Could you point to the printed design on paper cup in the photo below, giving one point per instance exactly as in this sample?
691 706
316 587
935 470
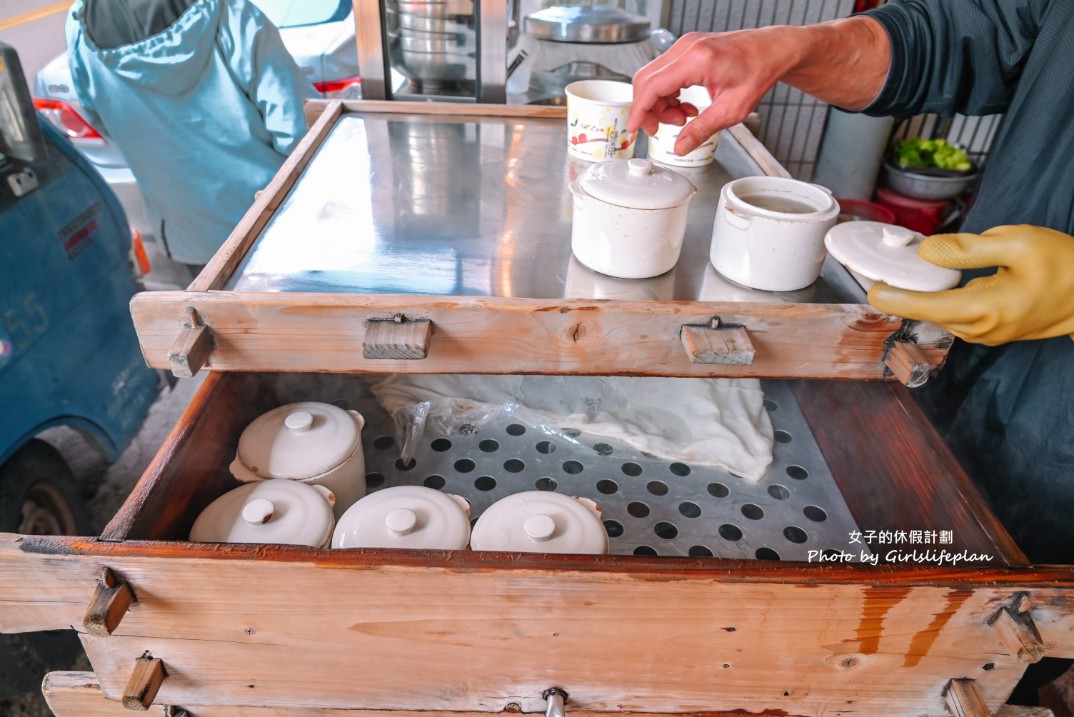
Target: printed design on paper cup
602 136
662 148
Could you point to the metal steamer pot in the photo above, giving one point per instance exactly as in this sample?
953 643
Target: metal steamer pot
572 43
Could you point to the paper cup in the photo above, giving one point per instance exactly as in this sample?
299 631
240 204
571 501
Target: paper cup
597 120
662 144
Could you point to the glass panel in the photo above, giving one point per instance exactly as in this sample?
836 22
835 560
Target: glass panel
292 13
433 43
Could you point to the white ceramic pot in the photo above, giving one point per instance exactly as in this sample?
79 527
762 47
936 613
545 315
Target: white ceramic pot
405 516
769 232
311 442
268 511
630 218
541 522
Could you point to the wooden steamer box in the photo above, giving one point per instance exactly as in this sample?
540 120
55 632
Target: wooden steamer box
214 630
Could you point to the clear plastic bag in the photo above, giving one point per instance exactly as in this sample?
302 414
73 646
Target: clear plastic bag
449 417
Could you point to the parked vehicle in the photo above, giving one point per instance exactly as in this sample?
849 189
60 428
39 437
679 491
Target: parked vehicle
69 355
320 34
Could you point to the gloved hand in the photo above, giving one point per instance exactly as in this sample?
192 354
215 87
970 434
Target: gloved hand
1030 297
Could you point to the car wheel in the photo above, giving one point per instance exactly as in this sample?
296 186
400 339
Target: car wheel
38 496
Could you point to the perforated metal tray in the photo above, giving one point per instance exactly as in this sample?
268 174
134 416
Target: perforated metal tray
651 506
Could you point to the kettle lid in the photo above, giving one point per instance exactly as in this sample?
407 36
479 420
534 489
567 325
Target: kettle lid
599 24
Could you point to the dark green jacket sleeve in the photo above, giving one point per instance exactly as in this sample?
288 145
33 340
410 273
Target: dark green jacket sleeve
950 56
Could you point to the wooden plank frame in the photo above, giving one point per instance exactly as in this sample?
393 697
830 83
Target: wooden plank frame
269 626
479 632
78 694
267 331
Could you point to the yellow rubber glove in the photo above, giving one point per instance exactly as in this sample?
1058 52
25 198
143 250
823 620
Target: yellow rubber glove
1031 296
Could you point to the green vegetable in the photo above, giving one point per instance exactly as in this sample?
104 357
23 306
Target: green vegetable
918 152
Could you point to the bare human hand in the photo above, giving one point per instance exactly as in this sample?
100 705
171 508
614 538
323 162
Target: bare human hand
736 68
843 62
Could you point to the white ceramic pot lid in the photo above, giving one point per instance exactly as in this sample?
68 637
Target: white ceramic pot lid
405 516
636 184
299 440
269 511
887 253
541 522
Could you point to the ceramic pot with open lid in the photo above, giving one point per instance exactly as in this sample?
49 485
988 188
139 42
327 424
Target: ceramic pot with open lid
542 522
630 217
269 511
311 442
769 232
405 516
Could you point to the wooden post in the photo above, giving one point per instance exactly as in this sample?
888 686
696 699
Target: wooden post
963 699
717 344
1018 631
397 338
144 682
908 363
191 349
111 600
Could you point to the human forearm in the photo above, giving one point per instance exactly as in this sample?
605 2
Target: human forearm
843 62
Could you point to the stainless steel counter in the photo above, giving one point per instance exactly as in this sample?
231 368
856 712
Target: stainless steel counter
470 206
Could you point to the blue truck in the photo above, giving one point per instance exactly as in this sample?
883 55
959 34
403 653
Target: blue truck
69 355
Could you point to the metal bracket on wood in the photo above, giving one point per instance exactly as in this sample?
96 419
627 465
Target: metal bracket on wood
191 350
715 343
556 698
144 683
963 699
111 599
1018 631
397 338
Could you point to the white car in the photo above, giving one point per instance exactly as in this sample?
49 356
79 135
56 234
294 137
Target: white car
320 34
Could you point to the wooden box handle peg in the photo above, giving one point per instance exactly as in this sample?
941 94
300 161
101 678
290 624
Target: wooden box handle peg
907 363
963 699
191 349
716 344
111 599
144 682
1017 630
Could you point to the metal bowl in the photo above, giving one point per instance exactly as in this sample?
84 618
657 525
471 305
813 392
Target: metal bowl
436 66
440 43
423 9
420 23
936 185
